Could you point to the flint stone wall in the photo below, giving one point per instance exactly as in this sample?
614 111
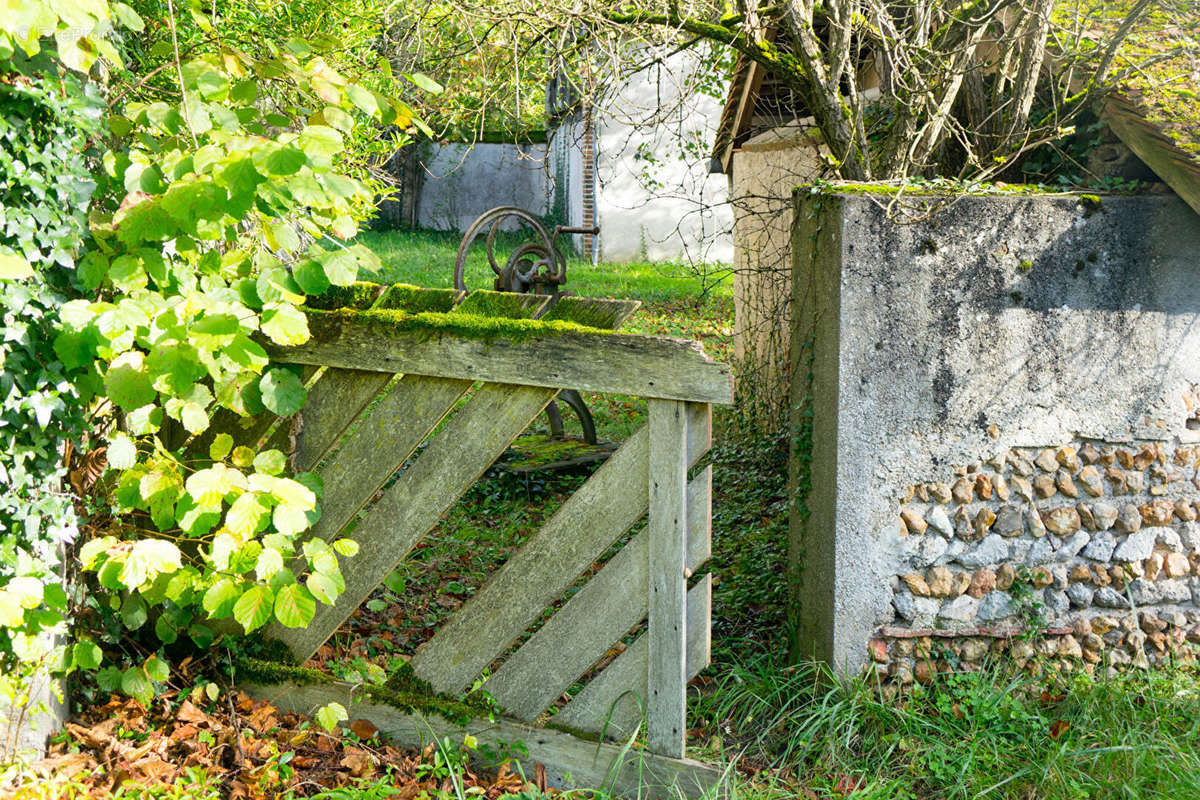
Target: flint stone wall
1005 423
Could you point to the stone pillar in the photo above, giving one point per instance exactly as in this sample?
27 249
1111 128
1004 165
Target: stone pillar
950 342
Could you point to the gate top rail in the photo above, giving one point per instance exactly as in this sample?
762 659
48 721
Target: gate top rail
399 333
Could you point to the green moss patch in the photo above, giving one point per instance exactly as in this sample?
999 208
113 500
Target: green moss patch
607 314
358 295
416 300
407 694
510 305
326 325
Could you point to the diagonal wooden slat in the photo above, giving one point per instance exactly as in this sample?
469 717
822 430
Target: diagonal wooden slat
386 437
614 701
612 500
457 455
334 402
604 610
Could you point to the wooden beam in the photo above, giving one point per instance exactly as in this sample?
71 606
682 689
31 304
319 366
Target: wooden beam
1179 169
591 311
569 762
462 450
613 702
667 617
646 366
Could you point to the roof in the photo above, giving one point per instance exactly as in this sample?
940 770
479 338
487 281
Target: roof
1156 112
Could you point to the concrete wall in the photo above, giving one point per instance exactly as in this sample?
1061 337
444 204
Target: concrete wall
766 171
655 198
462 181
1005 409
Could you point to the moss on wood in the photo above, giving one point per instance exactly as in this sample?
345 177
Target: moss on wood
417 300
407 694
588 311
326 325
358 295
510 305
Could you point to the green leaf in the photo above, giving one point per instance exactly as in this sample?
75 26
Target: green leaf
201 635
310 275
253 609
109 679
242 456
285 325
282 392
164 630
13 267
219 599
322 587
320 141
248 515
122 452
157 670
133 612
271 462
338 118
346 547
341 267
364 99
330 715
127 383
221 445
147 560
128 17
294 606
87 654
425 82
270 561
135 684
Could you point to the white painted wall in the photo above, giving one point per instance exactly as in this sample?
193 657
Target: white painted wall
462 181
668 206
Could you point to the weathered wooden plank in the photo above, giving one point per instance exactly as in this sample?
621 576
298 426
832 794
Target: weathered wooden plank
592 311
455 458
569 762
418 300
613 702
612 500
570 541
486 303
384 439
334 402
699 521
604 610
1179 169
517 352
667 617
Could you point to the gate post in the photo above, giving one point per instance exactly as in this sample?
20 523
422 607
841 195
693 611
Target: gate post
667 618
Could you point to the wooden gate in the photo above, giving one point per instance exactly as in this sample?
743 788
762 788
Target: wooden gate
437 396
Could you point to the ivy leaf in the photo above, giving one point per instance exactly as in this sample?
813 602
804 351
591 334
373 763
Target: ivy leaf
253 609
328 716
13 267
282 392
285 324
294 606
